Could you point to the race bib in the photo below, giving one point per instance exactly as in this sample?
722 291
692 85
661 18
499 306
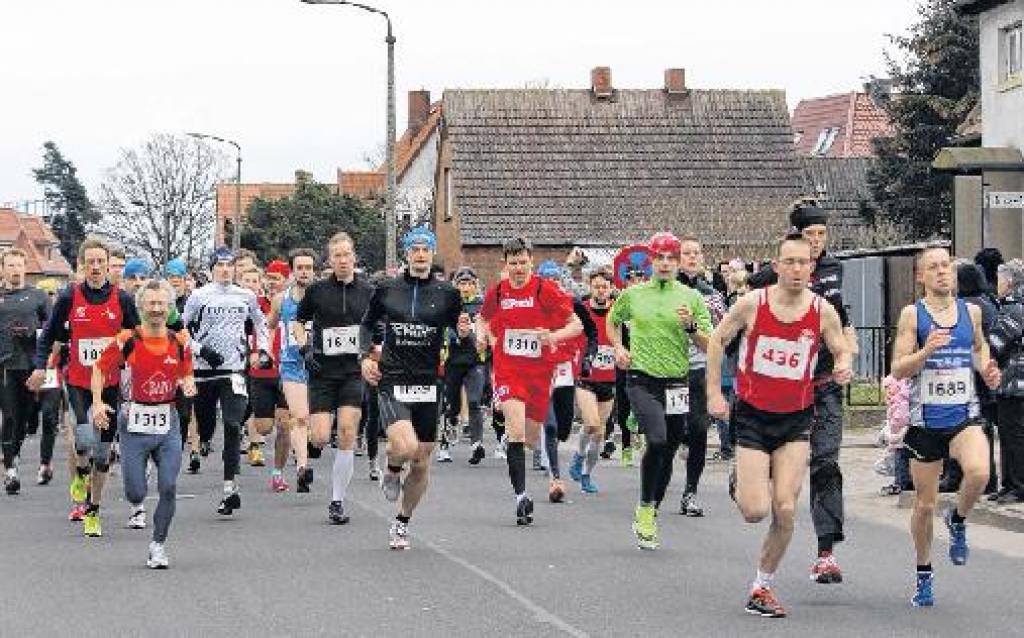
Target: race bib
149 419
605 358
50 381
951 386
520 343
563 375
416 393
341 340
781 358
239 386
89 350
677 400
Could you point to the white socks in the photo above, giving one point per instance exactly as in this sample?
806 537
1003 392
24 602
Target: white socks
341 475
763 580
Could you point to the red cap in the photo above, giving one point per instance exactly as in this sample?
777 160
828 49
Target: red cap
279 267
665 243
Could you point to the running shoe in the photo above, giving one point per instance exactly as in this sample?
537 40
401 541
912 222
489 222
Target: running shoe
79 488
721 457
923 597
193 463
391 485
524 510
12 484
45 475
137 519
443 455
958 549
92 526
627 457
374 470
336 513
78 512
479 454
587 486
501 449
763 603
825 570
399 535
157 556
645 526
278 484
360 445
538 461
690 506
256 456
608 450
576 467
556 490
303 479
230 503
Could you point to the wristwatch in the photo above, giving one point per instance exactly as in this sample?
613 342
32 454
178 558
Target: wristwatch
692 328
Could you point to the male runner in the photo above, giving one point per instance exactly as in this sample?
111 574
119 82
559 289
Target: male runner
87 317
155 362
464 367
665 318
335 307
414 310
939 345
525 318
783 326
266 398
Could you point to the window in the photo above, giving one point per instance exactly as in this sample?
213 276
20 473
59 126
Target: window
448 195
1010 54
826 138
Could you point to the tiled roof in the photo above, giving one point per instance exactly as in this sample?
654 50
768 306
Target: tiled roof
973 7
842 186
412 142
854 116
362 183
560 166
41 246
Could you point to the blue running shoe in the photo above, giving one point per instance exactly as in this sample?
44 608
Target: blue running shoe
923 596
587 486
576 467
958 550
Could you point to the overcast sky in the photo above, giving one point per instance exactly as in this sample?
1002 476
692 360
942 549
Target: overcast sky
302 86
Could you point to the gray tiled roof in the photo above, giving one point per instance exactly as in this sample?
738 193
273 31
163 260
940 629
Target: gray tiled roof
844 183
561 167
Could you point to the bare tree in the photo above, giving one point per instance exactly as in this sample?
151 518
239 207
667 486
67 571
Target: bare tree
165 189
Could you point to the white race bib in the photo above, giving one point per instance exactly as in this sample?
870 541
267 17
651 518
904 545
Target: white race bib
341 340
149 419
677 400
89 350
781 358
416 393
239 386
50 381
563 375
946 387
605 358
521 343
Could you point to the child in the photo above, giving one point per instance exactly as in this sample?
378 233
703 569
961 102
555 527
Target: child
897 418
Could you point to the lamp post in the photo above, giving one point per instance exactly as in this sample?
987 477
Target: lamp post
165 246
236 224
390 221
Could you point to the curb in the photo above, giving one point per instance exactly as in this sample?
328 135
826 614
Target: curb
1009 518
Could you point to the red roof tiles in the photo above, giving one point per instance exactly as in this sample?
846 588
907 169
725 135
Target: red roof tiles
839 126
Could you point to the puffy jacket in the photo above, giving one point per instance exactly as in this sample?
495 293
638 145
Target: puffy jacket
1006 340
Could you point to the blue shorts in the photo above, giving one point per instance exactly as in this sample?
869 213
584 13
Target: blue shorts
294 371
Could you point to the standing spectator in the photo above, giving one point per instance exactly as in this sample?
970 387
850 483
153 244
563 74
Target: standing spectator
989 259
1007 346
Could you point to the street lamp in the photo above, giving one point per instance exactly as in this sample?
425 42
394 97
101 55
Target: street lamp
236 225
390 221
166 243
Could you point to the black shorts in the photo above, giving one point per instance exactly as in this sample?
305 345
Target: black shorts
266 397
423 415
768 431
327 395
604 391
928 446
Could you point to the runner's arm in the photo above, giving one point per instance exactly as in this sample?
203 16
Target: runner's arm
259 322
982 355
702 320
373 315
835 339
53 329
907 358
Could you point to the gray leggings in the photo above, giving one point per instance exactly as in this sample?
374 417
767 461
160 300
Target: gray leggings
165 450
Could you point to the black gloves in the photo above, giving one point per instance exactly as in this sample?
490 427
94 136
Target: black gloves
211 356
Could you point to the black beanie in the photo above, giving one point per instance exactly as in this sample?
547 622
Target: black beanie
807 215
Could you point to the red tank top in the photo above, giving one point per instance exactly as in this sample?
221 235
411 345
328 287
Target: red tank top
776 360
275 346
603 369
92 328
154 375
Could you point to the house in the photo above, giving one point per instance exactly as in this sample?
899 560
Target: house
843 125
602 167
989 185
42 248
415 160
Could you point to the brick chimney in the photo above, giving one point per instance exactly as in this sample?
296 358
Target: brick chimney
601 81
419 110
675 81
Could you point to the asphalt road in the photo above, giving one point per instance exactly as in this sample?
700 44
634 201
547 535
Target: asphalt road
278 569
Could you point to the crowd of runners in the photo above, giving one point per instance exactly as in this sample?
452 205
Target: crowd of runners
149 364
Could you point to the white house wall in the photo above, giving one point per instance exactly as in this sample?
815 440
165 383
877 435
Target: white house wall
1002 111
416 188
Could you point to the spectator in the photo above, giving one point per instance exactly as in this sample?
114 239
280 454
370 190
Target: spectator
989 259
1008 349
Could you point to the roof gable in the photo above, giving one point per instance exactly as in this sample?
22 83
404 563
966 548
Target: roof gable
854 119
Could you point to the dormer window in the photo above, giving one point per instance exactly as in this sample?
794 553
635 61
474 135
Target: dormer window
1010 51
826 138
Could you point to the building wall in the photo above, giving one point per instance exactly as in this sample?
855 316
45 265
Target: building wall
416 188
1002 106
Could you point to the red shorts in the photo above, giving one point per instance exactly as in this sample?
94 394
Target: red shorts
533 390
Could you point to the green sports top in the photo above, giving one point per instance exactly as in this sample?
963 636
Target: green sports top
658 344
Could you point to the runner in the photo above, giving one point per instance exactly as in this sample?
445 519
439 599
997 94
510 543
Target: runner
335 307
252 280
117 262
23 310
294 379
464 368
266 398
665 318
783 326
50 402
215 316
525 318
939 344
414 309
155 362
87 317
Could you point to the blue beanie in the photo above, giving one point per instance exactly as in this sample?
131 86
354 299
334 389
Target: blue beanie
549 269
175 268
223 253
419 235
136 266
